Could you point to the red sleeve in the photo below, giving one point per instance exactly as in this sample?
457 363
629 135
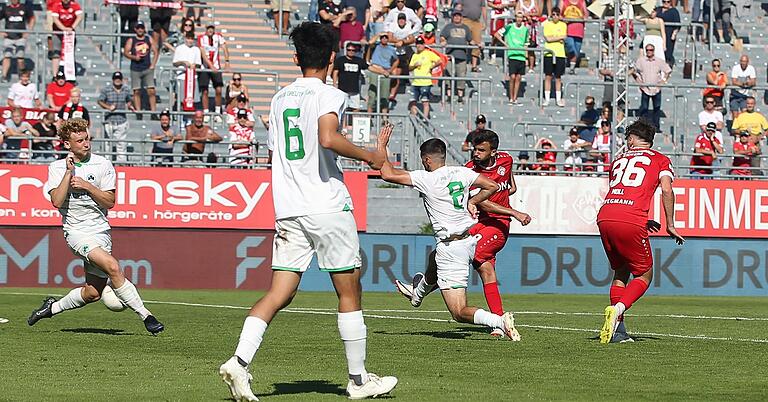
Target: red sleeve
76 8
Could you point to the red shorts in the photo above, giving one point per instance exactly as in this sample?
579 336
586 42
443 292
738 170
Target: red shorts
493 235
626 244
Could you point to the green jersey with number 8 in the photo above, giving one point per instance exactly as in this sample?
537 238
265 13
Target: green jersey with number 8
306 178
446 192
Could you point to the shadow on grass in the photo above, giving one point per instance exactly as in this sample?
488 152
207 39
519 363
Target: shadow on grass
102 331
456 333
306 387
636 338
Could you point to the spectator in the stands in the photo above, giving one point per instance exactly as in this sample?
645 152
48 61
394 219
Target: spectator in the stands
177 38
187 54
500 11
58 91
382 62
414 5
421 65
329 12
414 21
67 15
606 115
514 35
650 70
241 103
711 115
201 134
362 10
142 51
717 78
165 135
755 124
722 12
429 34
456 33
706 149
748 152
275 8
42 149
116 97
16 132
743 76
129 16
347 72
211 43
480 123
601 147
24 93
546 157
241 140
655 33
574 10
671 17
74 109
473 12
235 88
531 14
350 29
576 150
588 120
402 37
160 20
379 9
14 44
555 32
194 10
524 163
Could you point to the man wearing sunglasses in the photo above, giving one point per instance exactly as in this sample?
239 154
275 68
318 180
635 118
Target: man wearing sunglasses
347 71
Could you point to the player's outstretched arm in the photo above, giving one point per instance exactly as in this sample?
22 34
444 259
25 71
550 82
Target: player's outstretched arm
668 200
388 172
330 138
494 208
487 188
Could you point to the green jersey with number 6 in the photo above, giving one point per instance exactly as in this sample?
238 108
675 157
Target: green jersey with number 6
306 178
446 192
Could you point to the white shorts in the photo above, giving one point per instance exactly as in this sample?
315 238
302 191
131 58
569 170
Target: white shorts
354 101
453 261
332 236
83 243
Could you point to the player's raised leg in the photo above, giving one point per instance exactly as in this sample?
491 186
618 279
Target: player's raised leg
76 298
124 290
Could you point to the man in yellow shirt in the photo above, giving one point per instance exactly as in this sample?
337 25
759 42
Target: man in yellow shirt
555 32
753 122
421 65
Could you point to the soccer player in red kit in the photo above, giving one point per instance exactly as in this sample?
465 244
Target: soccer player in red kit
494 218
624 225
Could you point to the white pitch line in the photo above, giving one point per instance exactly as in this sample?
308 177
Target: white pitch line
330 311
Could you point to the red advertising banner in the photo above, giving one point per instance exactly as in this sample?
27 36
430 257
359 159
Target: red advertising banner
704 208
166 198
150 258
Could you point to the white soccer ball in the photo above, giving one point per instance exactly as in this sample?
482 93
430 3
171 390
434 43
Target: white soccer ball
109 298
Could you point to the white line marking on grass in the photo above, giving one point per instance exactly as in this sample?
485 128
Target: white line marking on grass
321 311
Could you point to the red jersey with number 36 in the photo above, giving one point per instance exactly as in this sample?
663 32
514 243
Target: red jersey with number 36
501 173
635 175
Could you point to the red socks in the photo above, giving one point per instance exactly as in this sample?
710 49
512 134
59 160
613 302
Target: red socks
616 293
493 298
634 290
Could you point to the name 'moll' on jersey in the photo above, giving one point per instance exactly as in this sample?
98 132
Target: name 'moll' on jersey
634 177
307 178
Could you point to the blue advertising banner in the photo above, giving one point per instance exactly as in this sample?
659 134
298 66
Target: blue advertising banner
574 264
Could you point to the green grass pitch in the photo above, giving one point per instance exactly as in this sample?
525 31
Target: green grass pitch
688 348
